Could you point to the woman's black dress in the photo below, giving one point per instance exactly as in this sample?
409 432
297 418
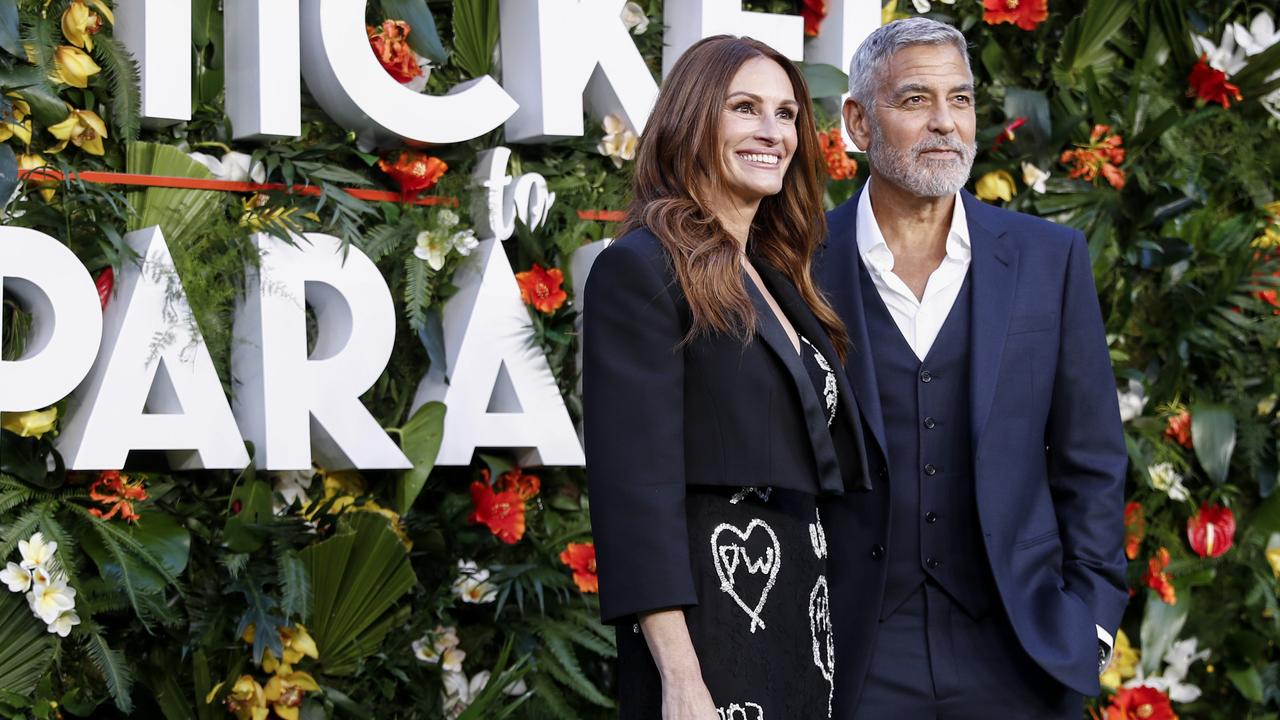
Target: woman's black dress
762 626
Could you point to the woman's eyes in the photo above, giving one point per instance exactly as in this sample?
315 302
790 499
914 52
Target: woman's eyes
750 108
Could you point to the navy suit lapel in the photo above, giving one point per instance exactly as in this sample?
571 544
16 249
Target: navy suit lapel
995 270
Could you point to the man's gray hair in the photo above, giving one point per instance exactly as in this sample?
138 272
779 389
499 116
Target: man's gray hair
875 51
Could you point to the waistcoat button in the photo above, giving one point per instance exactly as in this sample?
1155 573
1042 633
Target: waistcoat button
926 376
930 470
929 423
877 551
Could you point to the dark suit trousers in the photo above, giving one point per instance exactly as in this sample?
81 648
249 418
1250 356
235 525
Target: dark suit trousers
931 661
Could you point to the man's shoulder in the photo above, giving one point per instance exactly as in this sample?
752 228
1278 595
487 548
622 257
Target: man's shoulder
1028 231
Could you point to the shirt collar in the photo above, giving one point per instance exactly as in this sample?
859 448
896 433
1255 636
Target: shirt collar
875 251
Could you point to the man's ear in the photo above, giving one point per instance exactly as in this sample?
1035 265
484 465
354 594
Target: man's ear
856 123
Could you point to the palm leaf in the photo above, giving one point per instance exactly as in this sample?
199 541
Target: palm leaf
475 34
25 648
178 212
356 578
1084 45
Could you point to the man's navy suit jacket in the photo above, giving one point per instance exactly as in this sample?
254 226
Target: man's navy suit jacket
1048 447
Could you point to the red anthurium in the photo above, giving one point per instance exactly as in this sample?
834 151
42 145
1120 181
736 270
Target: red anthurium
1140 703
813 12
1135 528
105 283
414 172
1210 85
1026 14
1006 135
541 288
1211 531
581 558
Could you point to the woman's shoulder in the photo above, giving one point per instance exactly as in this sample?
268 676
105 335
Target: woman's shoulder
638 245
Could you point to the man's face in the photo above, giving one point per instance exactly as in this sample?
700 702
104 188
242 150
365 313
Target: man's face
919 131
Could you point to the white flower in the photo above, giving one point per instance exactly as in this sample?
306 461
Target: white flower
419 83
1034 177
1178 660
516 688
1132 402
459 692
923 6
433 247
447 218
473 585
292 486
1167 480
62 624
16 577
634 19
619 143
440 646
464 241
51 600
36 552
234 166
1225 56
1259 36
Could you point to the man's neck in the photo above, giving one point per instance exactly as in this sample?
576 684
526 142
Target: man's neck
911 225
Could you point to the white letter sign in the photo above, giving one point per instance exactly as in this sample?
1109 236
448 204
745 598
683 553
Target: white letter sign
689 21
158 33
263 86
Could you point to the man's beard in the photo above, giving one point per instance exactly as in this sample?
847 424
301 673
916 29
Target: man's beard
918 175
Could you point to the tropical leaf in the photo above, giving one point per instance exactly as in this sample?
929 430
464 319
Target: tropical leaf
179 212
121 73
295 584
1213 434
825 81
26 648
475 35
420 439
357 576
9 30
113 666
1084 44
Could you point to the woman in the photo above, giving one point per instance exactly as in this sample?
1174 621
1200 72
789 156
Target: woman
713 416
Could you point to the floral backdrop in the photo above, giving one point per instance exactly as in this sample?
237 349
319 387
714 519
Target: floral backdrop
1151 125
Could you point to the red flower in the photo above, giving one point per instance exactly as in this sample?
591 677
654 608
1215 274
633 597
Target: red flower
1210 85
1140 703
117 492
839 165
1135 527
1006 135
541 288
514 480
390 44
1179 429
502 513
1157 579
414 172
1212 530
1099 157
581 558
813 12
105 283
1026 14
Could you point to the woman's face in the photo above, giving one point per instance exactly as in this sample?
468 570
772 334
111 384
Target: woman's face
757 131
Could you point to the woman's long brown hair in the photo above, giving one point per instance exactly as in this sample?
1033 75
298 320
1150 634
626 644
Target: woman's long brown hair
679 172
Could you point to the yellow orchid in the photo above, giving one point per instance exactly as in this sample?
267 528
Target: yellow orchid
996 185
73 66
1270 237
1124 663
297 643
33 423
83 128
247 699
341 488
16 123
34 161
80 24
285 690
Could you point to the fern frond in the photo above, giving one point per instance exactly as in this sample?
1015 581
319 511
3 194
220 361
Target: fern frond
122 540
111 663
54 531
548 697
120 70
295 584
12 498
39 41
417 292
382 241
563 664
19 529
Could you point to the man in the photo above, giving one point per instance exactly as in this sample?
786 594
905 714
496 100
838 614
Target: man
984 574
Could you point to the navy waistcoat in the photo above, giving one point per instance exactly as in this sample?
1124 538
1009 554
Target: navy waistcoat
934 530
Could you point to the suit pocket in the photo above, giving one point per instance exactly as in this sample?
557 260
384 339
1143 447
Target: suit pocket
1036 540
1035 322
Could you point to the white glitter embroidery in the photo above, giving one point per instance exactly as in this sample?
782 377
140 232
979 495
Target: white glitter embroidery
824 651
728 556
762 493
830 391
817 537
746 711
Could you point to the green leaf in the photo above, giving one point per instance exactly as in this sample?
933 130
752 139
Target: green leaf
114 668
121 74
357 576
1248 682
9 29
1032 105
295 585
254 499
423 37
475 35
1213 434
26 649
8 171
420 439
1084 44
180 213
1161 625
824 80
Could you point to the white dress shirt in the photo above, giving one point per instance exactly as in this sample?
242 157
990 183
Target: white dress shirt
920 319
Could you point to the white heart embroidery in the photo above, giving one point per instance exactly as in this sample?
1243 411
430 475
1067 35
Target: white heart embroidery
821 632
727 558
746 711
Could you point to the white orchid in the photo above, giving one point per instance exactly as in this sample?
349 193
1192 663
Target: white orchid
61 626
440 646
1178 659
234 166
419 83
1168 481
292 486
1034 177
924 6
473 585
36 552
460 691
50 600
16 577
464 241
433 246
1132 401
619 143
634 19
447 219
1259 36
1226 55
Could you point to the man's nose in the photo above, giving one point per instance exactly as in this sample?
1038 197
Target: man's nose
942 120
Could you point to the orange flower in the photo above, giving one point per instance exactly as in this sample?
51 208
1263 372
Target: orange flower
839 165
813 12
1157 579
1026 14
1140 703
581 558
414 172
1099 157
541 288
118 493
1209 85
1179 428
502 513
514 480
1212 530
1135 527
390 44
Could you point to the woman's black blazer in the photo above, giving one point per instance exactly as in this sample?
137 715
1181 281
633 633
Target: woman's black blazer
660 416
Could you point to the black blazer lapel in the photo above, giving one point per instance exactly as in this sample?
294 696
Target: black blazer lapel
994 266
775 338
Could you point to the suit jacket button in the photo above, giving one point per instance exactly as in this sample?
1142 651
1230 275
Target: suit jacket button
931 517
929 423
932 563
930 470
877 551
884 472
926 376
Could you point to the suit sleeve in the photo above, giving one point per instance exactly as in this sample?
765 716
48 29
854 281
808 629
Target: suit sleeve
633 408
1087 455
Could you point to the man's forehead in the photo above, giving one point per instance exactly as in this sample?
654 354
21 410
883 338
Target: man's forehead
931 65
